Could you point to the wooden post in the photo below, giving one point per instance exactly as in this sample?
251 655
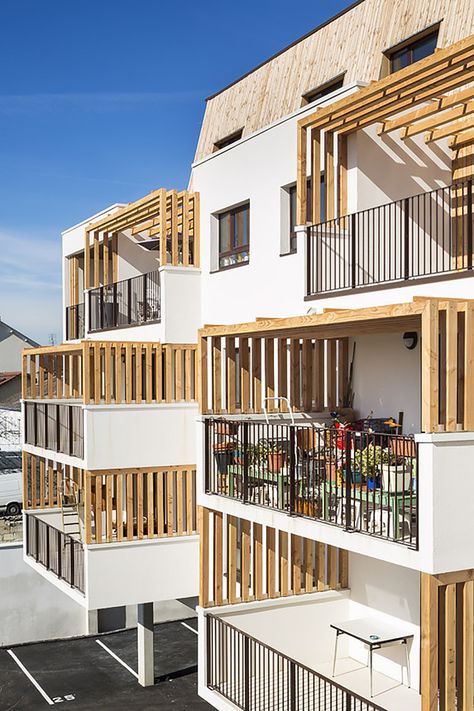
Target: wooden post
315 176
429 642
430 365
301 175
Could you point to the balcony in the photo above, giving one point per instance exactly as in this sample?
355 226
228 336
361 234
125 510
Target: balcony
58 552
114 538
131 302
75 322
417 239
279 655
57 427
363 482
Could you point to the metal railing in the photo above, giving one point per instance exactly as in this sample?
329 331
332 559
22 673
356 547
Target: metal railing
75 322
54 426
130 302
58 552
418 237
256 677
364 482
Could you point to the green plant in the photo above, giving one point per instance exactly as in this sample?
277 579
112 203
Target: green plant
259 452
368 461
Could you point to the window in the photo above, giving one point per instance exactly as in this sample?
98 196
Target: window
309 209
228 140
234 237
323 89
411 51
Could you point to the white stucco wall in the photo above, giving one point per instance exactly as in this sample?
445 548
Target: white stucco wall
30 608
123 436
11 349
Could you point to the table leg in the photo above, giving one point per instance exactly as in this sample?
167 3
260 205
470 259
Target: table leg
408 664
335 654
371 672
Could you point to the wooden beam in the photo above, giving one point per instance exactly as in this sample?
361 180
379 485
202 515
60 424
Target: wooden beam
439 119
329 173
96 259
301 209
450 130
315 176
429 366
429 643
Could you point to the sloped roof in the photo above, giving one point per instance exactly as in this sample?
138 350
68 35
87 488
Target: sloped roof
10 461
5 376
6 331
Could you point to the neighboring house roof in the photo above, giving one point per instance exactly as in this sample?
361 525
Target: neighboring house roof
10 461
5 377
6 331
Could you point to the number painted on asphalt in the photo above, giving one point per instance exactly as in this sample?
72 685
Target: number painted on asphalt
61 699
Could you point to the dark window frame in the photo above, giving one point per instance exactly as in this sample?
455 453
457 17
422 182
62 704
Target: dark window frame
324 89
407 47
292 211
228 140
242 247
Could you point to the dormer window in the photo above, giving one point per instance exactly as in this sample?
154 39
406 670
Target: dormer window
323 89
410 50
228 140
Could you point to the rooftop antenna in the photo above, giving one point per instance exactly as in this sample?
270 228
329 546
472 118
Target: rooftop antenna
52 339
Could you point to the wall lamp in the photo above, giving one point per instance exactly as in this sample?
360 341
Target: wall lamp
410 339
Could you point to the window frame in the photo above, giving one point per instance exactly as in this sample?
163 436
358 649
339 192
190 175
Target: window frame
228 140
324 89
408 45
241 248
291 191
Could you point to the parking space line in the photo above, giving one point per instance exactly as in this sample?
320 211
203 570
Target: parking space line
28 675
112 654
189 627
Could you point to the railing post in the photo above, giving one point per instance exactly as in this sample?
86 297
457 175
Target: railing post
59 556
348 701
292 686
353 250
145 300
70 433
406 238
101 307
35 423
207 456
245 463
348 473
58 430
36 539
115 304
129 301
292 472
246 673
45 420
469 224
309 263
47 547
72 549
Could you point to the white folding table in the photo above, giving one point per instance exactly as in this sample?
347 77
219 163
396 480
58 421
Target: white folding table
375 635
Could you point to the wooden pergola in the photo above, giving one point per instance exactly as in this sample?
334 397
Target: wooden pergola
434 96
446 327
170 215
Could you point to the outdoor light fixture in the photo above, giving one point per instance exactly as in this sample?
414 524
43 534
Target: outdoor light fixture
410 339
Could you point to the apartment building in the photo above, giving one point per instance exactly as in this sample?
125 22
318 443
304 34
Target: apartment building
330 455
336 436
109 454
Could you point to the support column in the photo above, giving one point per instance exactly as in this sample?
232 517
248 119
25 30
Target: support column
146 666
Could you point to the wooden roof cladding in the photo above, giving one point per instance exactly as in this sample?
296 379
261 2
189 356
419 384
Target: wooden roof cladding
421 83
172 214
447 351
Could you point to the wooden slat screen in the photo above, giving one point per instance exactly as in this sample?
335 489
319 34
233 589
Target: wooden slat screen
447 366
54 376
133 504
243 561
447 642
240 372
109 372
42 481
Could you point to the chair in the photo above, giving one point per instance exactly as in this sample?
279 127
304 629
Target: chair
381 522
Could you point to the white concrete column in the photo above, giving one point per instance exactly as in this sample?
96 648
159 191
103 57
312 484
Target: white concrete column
146 666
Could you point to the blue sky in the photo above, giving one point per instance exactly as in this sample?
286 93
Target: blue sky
100 102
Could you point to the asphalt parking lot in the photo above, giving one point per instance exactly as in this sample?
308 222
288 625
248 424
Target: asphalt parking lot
100 672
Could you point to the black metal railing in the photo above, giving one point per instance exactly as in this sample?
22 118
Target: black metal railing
55 426
364 482
130 302
418 237
256 677
57 551
75 322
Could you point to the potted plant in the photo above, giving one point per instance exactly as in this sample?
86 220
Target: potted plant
267 452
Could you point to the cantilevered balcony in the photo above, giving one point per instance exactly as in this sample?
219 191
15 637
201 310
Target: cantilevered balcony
418 238
130 302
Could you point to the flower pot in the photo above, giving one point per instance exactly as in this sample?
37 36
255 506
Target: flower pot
396 477
275 462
